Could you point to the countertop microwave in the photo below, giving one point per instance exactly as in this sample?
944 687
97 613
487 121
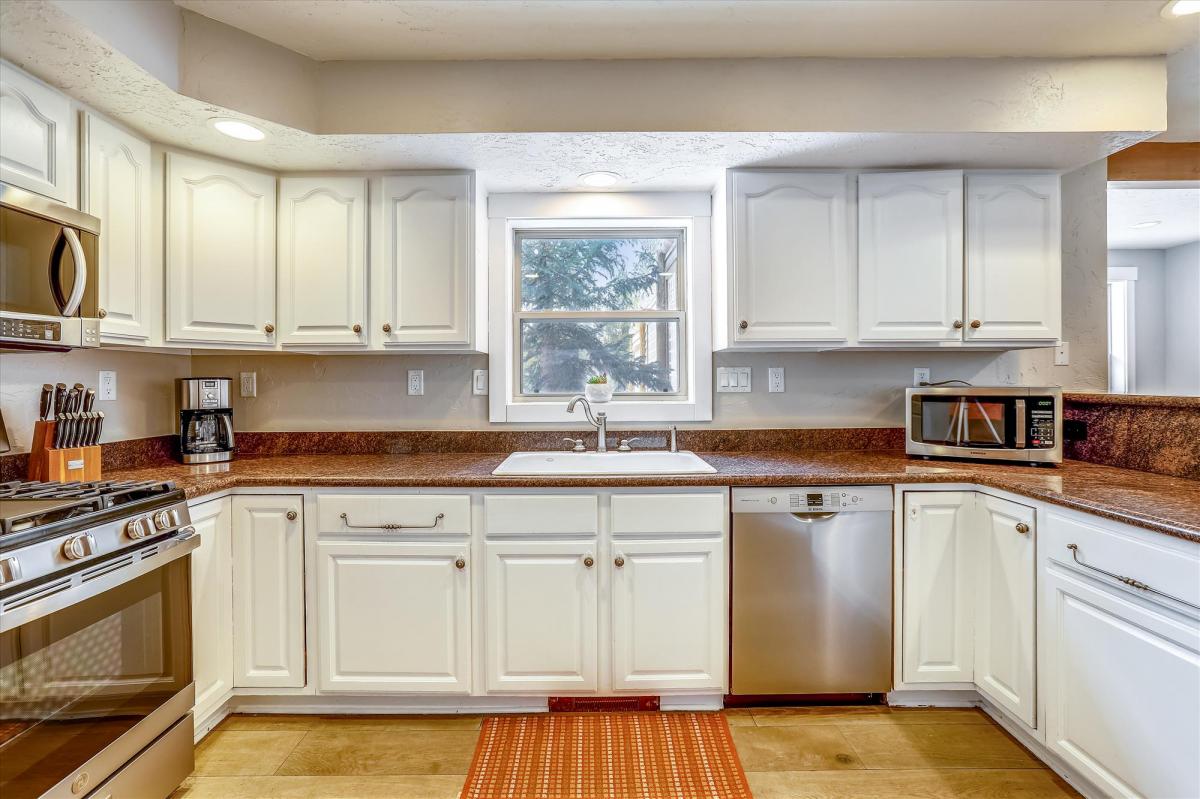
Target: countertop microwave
1004 423
49 283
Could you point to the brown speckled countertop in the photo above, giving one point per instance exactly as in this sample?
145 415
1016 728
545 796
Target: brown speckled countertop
1165 504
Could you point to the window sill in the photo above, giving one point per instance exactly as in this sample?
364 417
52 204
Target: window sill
619 411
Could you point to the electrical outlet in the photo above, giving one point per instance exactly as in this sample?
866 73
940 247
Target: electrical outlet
479 381
249 385
733 379
775 379
416 382
108 386
1062 354
921 374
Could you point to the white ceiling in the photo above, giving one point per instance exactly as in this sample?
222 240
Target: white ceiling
420 30
1177 208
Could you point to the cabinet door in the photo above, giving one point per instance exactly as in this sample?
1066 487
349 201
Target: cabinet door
668 615
268 592
37 137
1014 257
394 617
1004 607
323 261
910 256
1122 688
938 636
117 189
212 606
791 265
424 261
540 634
220 252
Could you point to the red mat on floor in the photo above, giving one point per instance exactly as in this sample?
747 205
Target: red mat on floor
606 756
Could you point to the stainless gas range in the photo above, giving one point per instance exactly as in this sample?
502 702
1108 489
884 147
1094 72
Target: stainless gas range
96 683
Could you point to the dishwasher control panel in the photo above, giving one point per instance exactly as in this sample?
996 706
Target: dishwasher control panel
812 499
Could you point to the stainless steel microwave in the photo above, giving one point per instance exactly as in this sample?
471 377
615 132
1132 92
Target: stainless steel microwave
1005 423
49 284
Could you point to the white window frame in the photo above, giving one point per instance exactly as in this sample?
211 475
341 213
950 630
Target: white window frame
1122 344
510 214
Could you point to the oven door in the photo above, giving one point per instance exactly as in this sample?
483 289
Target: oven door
85 685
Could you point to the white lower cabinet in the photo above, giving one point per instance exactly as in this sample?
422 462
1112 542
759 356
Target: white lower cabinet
669 615
394 616
212 606
268 592
540 617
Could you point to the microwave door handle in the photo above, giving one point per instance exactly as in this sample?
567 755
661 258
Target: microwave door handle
81 272
1020 431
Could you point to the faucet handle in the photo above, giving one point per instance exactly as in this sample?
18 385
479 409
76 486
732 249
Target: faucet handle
624 446
674 445
576 444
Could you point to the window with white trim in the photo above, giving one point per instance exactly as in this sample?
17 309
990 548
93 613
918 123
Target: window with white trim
624 298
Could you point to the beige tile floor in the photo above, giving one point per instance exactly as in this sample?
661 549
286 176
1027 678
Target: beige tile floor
788 753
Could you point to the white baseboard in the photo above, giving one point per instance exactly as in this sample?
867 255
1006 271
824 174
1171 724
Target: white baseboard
366 705
696 702
958 698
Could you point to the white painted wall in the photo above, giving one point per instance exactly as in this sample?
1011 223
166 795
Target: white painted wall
1149 350
149 32
1181 267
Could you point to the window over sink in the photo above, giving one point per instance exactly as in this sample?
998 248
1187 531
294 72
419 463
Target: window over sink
577 295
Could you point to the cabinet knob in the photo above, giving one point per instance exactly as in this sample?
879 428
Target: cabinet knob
357 329
1022 528
291 516
268 328
460 564
958 324
742 325
619 561
387 327
976 324
589 561
101 313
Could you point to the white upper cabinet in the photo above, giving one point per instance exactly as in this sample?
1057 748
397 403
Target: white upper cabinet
910 256
1014 257
790 267
117 189
220 249
1004 607
423 261
37 137
323 261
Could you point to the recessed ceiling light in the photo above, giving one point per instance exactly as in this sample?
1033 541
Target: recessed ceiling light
1181 8
599 180
1146 224
237 129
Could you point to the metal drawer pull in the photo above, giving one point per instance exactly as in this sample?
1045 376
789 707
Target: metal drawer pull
1138 584
436 519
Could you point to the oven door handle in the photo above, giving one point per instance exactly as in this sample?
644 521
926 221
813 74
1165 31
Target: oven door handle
46 598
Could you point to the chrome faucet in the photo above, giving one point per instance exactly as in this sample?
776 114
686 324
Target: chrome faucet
598 421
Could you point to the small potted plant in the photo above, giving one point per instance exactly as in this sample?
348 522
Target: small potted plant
598 389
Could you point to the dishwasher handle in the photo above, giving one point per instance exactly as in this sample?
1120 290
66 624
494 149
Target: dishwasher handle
814 516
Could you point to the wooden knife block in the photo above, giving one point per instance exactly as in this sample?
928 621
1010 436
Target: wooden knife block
60 465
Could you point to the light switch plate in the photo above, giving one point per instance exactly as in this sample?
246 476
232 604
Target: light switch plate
108 386
921 374
416 382
775 379
479 381
733 379
249 384
1062 354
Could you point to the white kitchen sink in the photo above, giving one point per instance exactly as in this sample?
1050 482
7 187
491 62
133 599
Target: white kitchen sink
594 463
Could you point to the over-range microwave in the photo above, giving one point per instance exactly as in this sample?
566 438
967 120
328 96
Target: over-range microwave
49 297
1006 423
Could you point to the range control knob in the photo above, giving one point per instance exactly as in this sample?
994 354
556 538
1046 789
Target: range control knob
166 519
79 546
139 527
10 570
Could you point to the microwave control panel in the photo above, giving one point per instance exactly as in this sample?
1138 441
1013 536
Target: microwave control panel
31 329
1041 422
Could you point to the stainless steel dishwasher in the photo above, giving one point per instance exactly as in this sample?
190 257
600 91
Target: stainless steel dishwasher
812 590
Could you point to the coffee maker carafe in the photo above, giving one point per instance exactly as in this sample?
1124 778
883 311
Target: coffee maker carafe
205 420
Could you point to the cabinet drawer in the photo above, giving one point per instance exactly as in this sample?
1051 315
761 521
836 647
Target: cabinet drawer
1168 565
668 513
569 514
417 514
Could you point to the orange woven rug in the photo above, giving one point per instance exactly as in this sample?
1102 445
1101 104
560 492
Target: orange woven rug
606 756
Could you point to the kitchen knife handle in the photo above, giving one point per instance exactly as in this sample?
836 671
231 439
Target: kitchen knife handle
89 399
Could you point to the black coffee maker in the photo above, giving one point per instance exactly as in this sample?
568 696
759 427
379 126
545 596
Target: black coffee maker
205 419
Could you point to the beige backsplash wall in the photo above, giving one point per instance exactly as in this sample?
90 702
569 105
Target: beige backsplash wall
367 392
